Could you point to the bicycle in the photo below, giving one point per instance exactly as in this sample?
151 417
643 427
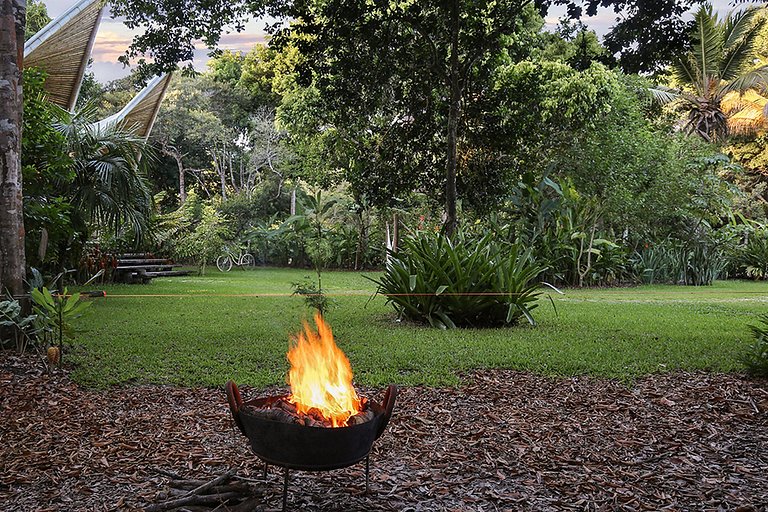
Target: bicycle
242 259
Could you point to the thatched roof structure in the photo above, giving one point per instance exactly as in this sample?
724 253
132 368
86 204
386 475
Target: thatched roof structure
62 49
140 113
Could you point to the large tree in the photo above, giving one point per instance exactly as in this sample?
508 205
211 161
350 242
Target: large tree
12 261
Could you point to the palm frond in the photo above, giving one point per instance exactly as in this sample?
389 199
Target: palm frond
746 112
755 79
708 42
663 95
686 71
738 54
737 25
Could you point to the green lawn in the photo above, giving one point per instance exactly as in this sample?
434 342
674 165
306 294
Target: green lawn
205 330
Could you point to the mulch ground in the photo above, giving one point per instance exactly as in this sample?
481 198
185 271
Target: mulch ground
503 441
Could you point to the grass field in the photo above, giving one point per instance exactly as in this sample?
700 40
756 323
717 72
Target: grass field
205 330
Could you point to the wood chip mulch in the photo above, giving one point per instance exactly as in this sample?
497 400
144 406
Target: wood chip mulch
503 441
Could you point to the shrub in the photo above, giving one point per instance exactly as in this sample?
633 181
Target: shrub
756 358
461 282
755 255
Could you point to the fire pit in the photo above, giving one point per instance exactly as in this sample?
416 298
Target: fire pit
322 424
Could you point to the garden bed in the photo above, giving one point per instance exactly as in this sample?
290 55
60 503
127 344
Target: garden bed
503 440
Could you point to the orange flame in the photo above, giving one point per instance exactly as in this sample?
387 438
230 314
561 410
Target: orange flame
321 376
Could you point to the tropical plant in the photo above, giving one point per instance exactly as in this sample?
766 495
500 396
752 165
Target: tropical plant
207 240
756 357
460 281
15 326
313 222
109 188
754 260
56 314
718 63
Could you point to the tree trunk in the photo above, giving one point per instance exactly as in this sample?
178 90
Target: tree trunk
222 175
453 123
182 180
12 258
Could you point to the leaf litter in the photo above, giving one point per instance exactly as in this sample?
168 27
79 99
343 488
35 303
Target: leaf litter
503 440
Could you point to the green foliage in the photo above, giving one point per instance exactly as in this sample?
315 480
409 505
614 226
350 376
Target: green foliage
37 18
314 297
461 281
109 188
719 61
15 327
56 314
48 173
195 232
754 258
695 262
564 231
756 357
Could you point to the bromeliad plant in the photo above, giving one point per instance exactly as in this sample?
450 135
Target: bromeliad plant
461 282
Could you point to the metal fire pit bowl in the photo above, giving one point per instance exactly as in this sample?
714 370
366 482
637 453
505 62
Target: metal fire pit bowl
305 448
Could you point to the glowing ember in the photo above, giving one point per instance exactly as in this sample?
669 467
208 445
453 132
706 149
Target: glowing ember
321 376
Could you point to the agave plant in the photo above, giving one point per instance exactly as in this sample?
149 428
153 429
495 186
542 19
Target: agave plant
720 62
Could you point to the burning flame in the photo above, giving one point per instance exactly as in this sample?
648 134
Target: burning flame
321 376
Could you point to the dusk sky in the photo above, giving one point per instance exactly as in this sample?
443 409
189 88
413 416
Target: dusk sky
113 37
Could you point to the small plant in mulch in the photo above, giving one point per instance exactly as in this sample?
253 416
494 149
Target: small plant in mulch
55 316
756 358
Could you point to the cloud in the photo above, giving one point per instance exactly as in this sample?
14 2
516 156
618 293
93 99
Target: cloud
110 45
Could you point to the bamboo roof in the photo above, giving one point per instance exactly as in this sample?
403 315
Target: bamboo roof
140 113
62 49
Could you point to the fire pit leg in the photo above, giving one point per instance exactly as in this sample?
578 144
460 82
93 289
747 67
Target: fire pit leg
285 489
367 471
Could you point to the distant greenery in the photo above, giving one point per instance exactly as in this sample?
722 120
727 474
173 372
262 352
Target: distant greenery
202 337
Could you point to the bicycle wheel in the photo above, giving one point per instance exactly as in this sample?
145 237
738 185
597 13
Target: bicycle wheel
224 263
247 260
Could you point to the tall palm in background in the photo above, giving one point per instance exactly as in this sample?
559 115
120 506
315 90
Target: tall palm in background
721 61
109 190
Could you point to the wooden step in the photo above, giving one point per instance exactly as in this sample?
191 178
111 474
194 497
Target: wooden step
126 268
147 261
139 255
169 273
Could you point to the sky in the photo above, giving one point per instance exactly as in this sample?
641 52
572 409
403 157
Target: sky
113 37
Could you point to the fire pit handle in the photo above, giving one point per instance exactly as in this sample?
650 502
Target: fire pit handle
235 404
390 395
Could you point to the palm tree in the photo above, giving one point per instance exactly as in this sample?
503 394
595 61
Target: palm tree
720 61
109 188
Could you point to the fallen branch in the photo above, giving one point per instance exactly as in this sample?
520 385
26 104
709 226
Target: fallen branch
195 499
213 483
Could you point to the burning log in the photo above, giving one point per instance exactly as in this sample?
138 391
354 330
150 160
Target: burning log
282 410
